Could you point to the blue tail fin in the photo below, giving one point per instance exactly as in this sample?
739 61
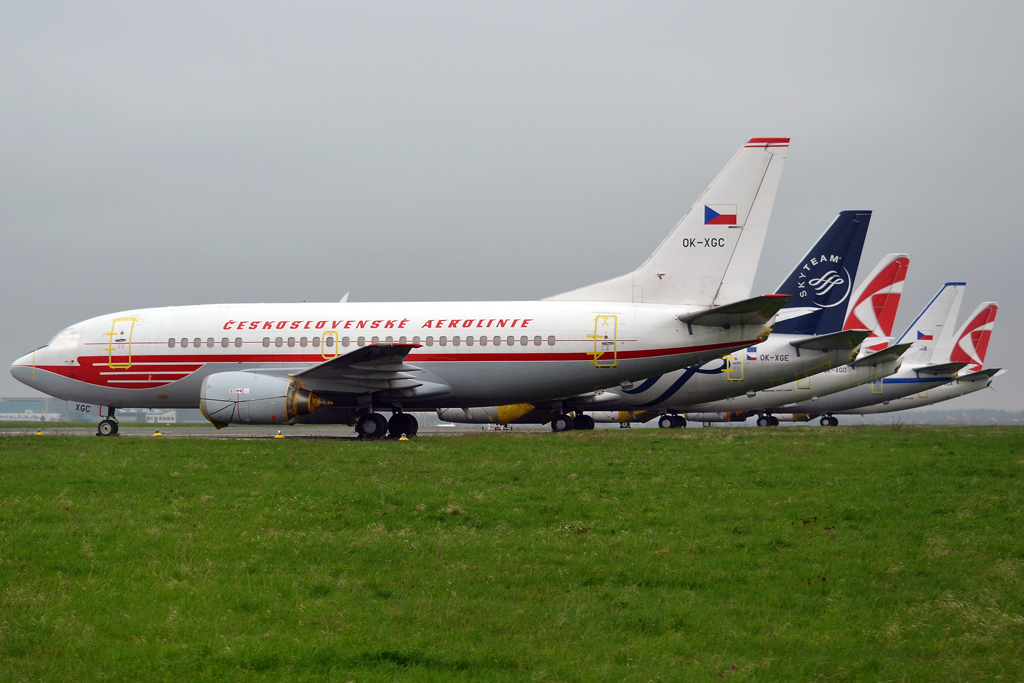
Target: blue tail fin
823 279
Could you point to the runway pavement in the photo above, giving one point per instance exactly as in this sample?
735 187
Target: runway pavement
201 431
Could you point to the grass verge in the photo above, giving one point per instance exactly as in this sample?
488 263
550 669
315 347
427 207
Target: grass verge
739 554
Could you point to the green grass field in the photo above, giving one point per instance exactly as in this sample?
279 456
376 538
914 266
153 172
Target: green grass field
717 554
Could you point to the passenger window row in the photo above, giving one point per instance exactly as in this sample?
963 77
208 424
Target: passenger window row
329 341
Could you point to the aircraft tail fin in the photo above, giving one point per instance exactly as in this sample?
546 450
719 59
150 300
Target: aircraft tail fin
874 304
933 328
711 255
823 279
971 340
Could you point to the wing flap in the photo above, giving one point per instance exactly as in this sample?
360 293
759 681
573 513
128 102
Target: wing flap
375 367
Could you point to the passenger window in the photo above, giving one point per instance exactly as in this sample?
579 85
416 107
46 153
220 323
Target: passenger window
402 340
430 341
524 340
375 340
537 341
330 342
497 340
469 340
416 339
443 341
184 343
316 342
483 341
197 342
278 342
551 340
224 342
456 341
238 342
266 342
210 342
389 340
291 342
361 341
303 341
170 343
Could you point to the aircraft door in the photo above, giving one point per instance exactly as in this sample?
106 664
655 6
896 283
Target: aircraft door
877 386
606 341
734 366
119 343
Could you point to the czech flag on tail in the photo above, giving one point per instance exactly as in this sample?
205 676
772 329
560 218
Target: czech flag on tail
720 214
921 336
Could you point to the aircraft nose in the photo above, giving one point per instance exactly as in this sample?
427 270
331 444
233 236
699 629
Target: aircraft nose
21 370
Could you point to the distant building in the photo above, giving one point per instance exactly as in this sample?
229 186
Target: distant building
31 416
167 417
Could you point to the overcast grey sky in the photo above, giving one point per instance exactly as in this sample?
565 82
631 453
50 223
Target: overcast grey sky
212 152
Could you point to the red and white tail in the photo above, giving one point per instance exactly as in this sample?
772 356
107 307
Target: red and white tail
873 306
972 339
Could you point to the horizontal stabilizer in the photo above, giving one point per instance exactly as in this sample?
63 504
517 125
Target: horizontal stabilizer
375 367
940 370
756 311
882 356
980 375
846 339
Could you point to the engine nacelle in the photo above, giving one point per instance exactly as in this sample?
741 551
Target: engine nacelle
254 399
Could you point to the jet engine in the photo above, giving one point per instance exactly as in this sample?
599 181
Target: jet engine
254 399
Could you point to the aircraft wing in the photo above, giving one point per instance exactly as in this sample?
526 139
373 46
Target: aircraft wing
894 351
844 339
758 310
944 369
375 367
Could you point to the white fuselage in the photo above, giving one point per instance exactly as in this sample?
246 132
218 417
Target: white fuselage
810 389
483 353
905 382
960 386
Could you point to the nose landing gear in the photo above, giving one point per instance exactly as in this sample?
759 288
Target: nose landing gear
108 426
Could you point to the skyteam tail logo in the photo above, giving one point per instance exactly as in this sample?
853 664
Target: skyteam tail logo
720 214
823 282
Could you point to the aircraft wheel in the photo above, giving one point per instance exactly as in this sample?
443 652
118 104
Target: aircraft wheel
774 420
106 428
764 421
667 421
561 423
371 426
399 424
583 422
414 425
833 421
680 422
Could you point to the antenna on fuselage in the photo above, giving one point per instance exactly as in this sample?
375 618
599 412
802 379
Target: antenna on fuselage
344 298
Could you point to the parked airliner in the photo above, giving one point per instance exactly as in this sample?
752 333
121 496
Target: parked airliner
807 338
345 362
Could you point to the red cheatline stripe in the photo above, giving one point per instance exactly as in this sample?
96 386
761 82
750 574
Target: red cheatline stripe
92 375
769 141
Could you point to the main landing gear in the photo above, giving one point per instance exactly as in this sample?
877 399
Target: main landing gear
108 426
767 421
829 421
567 423
671 421
376 426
